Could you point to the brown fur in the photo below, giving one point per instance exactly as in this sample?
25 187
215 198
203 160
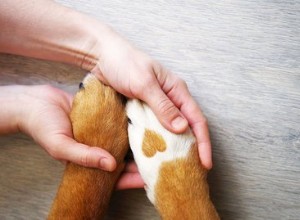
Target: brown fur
182 191
98 119
152 143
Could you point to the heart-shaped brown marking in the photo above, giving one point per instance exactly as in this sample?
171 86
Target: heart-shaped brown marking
152 143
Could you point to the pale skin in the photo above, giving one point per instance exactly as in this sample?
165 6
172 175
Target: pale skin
46 30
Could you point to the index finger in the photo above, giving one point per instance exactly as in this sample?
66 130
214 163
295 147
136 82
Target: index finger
192 112
200 129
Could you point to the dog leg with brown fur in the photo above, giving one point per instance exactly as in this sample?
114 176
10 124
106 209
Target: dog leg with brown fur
98 119
170 167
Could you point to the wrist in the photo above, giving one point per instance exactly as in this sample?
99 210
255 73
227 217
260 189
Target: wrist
95 34
13 104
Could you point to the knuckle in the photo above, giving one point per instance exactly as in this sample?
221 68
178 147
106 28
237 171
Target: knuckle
157 68
180 83
149 64
178 87
84 160
201 123
183 84
167 108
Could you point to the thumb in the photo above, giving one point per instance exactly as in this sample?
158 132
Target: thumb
165 110
66 148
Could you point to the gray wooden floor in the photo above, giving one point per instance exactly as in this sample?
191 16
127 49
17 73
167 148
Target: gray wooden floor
241 62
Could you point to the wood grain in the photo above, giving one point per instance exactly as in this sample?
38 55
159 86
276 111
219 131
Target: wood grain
241 62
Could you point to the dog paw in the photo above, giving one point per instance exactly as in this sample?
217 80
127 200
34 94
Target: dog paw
98 117
152 144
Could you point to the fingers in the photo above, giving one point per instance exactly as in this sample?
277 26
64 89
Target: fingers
169 98
177 92
68 149
131 167
96 157
200 128
165 110
130 179
189 108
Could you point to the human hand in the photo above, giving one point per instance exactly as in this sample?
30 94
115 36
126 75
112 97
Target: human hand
81 40
134 74
44 115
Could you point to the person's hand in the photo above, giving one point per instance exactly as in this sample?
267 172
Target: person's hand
43 113
81 40
134 74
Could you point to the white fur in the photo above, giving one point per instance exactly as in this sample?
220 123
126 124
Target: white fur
88 77
178 146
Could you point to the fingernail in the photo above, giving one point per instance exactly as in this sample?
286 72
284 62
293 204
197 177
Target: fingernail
105 164
179 123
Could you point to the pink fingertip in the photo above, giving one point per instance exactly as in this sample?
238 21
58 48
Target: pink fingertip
205 155
106 164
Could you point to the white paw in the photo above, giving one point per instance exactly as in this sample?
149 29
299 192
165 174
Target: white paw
152 144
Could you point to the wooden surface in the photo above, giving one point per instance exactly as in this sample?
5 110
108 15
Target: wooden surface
241 62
